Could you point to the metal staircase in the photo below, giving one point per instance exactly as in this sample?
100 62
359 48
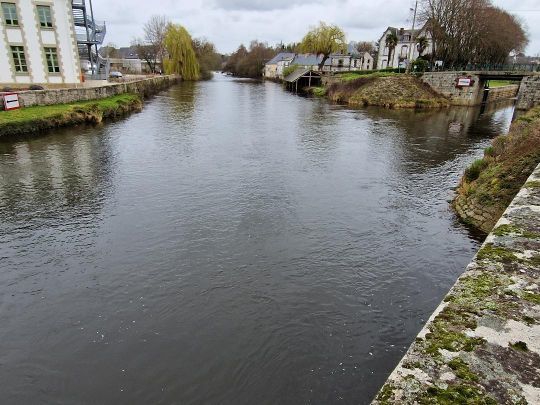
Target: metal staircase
90 35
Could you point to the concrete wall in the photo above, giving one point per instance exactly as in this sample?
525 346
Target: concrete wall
503 93
144 87
483 341
529 93
34 38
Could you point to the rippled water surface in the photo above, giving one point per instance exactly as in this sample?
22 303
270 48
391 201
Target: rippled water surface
231 244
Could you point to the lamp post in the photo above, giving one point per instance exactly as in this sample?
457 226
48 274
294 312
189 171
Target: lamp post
411 50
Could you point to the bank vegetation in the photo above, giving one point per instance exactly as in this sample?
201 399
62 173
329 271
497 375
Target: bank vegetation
384 89
490 184
32 120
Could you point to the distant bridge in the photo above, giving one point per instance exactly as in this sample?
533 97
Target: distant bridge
469 87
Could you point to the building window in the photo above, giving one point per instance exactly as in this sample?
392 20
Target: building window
19 59
404 51
10 14
45 16
52 60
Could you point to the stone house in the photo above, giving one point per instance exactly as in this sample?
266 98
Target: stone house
273 69
406 49
335 63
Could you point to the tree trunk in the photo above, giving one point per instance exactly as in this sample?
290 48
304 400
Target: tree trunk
321 65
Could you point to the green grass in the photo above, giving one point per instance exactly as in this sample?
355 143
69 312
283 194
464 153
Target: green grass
501 83
348 76
51 111
40 118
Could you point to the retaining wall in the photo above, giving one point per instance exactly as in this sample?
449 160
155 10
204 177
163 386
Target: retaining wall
482 344
502 93
529 93
144 87
445 84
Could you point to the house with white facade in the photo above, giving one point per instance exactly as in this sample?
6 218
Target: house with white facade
406 49
42 42
338 62
273 69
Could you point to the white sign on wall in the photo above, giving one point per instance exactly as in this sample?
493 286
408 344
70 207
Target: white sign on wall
11 101
464 82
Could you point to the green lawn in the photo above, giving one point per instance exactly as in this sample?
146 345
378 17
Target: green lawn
348 76
501 83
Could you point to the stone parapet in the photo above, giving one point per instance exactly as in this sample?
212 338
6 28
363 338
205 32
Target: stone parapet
143 87
482 344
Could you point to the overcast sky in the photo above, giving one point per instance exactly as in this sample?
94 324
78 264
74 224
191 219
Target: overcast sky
228 23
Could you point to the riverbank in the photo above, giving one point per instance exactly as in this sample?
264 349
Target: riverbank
387 90
489 184
37 119
482 344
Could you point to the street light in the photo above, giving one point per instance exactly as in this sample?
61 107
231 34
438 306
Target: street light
412 38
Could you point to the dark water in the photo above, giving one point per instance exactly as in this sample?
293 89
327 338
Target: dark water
231 244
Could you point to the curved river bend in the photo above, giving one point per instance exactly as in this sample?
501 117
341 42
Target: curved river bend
231 244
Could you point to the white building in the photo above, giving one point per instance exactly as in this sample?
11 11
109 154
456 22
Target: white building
406 49
40 41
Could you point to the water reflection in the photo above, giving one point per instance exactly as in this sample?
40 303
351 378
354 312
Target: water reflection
232 243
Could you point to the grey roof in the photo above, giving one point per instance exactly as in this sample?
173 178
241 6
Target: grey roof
297 74
307 59
279 57
397 32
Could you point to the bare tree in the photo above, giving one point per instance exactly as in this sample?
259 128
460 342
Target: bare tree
155 31
364 46
471 31
146 53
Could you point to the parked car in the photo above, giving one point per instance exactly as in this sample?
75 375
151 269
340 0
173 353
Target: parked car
115 75
86 66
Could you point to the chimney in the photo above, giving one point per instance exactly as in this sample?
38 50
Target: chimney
401 31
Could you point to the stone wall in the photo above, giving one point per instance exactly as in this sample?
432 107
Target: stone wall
502 93
482 344
445 83
529 93
143 87
480 215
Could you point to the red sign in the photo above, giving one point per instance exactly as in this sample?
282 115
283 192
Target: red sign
11 101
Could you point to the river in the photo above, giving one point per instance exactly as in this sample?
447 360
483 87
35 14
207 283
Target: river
231 244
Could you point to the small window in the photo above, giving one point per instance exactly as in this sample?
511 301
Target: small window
45 16
52 60
19 59
10 14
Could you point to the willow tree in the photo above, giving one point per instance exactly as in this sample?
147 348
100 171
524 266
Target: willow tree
324 40
181 58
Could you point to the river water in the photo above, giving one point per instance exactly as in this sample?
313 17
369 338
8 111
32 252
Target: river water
231 244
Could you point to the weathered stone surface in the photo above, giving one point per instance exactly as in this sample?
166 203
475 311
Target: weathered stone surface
143 87
529 93
482 344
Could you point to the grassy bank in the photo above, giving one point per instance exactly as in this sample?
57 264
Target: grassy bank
37 119
490 184
385 89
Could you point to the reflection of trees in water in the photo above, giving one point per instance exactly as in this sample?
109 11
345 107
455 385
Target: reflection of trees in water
319 129
53 178
428 138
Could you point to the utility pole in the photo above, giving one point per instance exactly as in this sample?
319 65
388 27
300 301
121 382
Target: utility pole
411 50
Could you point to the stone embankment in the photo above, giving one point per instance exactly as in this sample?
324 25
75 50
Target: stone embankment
529 93
502 93
491 183
143 87
482 344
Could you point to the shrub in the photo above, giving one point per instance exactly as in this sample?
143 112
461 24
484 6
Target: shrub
419 65
289 69
474 170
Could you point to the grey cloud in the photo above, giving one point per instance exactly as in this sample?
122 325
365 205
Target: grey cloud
259 5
